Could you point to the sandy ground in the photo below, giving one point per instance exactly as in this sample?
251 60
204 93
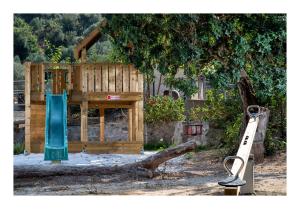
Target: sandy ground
192 174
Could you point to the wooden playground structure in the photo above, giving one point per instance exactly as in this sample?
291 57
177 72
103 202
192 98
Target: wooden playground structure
90 85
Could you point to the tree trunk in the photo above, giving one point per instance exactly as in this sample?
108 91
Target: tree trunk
258 148
248 98
159 84
143 168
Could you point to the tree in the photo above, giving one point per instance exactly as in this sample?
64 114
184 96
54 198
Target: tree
25 42
218 46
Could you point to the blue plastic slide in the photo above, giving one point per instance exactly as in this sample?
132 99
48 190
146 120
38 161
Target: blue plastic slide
56 143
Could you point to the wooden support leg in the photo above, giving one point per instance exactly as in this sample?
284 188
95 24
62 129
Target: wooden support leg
231 191
140 121
84 121
249 177
27 108
101 124
134 122
130 124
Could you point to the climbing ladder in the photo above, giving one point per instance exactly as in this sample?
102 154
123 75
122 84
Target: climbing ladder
236 176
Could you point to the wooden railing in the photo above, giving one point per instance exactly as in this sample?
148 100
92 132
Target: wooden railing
84 79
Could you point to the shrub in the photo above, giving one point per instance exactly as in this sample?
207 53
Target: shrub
18 69
156 146
218 109
164 109
273 143
19 148
231 139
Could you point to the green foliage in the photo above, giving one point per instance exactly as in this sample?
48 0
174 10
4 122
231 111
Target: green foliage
189 155
33 31
159 146
218 46
53 54
200 148
163 109
25 42
223 111
219 108
273 144
19 148
231 139
18 69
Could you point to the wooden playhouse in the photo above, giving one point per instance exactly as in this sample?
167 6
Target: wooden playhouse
90 85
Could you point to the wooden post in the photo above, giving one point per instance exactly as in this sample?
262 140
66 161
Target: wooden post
249 177
69 81
140 110
83 55
84 121
42 82
129 124
27 107
134 122
231 191
102 124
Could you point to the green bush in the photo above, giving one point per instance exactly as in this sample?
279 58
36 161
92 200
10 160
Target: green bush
164 109
156 146
231 139
218 109
19 148
18 69
273 143
222 110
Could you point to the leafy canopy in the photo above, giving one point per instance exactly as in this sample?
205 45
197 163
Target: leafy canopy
217 46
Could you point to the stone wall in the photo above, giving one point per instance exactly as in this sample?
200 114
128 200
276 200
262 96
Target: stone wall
114 131
168 133
173 133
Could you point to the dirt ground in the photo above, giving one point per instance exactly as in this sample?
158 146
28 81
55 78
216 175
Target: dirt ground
198 175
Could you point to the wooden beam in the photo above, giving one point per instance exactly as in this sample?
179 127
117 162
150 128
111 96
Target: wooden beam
112 78
231 191
120 147
102 119
69 81
27 107
110 106
140 109
89 40
42 81
83 55
134 122
103 96
130 124
84 121
119 78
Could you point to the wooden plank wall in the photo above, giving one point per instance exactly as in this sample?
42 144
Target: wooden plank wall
109 78
37 126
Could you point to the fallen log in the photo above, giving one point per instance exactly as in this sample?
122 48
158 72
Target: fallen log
143 168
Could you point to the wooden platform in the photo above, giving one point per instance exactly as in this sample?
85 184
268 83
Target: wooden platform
96 147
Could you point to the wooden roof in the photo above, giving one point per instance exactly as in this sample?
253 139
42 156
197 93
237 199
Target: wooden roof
89 40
